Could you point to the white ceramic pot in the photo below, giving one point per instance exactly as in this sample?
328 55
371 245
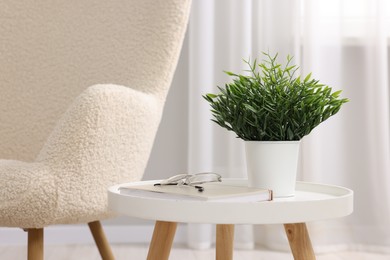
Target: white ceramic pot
273 165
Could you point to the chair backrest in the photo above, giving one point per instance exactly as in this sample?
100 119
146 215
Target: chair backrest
51 51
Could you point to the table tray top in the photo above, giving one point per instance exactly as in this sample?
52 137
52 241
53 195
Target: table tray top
312 201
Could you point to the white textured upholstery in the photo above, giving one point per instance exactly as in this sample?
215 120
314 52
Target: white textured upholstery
105 136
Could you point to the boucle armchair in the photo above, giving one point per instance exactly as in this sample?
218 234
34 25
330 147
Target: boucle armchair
105 136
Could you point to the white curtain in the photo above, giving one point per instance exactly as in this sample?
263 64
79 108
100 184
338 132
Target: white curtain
345 44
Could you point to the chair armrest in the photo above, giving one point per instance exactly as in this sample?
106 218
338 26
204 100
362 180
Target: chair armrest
108 132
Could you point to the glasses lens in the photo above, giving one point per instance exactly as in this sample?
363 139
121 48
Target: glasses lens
174 179
200 178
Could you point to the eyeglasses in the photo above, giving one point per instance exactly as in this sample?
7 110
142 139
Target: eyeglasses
191 180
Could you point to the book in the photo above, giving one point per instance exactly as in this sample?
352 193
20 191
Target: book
216 191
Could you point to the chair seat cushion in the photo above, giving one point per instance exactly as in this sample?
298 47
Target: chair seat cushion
26 194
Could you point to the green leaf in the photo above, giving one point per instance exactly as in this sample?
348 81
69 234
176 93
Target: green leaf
298 80
307 78
230 73
251 108
290 134
210 95
336 94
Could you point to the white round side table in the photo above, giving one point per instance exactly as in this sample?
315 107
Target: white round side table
311 202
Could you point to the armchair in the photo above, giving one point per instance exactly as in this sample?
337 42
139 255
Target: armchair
104 137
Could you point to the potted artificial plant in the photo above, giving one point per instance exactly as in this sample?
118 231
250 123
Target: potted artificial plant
271 109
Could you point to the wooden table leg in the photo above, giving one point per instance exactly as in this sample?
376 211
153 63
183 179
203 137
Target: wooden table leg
162 240
224 243
299 240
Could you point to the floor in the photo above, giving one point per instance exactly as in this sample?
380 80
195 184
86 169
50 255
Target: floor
87 252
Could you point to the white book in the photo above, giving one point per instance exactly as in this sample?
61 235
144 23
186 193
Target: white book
216 191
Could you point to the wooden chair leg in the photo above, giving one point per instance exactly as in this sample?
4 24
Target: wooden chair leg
35 244
224 243
101 240
163 235
299 241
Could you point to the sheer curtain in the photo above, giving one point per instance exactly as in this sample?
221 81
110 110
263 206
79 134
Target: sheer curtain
345 44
